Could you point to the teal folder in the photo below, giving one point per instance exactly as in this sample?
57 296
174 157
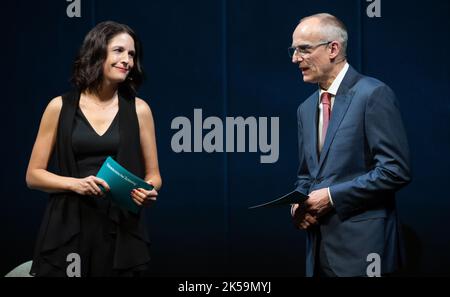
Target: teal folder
290 198
121 182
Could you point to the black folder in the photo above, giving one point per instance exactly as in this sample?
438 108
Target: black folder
290 198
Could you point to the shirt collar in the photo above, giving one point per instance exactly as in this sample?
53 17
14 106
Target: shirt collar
336 82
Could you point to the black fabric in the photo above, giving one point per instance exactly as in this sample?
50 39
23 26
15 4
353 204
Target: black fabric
61 229
91 149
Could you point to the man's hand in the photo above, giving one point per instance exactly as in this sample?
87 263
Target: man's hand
302 219
318 203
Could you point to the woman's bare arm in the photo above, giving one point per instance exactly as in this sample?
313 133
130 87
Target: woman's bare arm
38 177
148 143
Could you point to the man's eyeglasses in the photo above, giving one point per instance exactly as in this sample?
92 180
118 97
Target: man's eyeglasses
304 50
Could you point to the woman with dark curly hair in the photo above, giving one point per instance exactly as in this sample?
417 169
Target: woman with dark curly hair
80 129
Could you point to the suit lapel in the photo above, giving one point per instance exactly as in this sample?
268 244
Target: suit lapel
312 122
340 107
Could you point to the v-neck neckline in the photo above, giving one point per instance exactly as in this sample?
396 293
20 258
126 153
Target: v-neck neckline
92 128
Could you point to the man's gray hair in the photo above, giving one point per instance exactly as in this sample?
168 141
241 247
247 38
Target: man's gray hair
331 28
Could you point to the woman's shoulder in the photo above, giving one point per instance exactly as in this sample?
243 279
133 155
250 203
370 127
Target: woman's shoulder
142 107
55 105
51 114
70 97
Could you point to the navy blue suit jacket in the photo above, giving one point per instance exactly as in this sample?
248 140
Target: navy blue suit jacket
364 161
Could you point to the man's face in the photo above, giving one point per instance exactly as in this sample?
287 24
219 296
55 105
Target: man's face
313 55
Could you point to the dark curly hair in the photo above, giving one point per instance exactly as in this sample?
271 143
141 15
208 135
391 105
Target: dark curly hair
88 66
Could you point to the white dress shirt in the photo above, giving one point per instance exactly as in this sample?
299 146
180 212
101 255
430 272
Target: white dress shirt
333 91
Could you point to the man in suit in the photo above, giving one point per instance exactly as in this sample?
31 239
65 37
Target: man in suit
353 157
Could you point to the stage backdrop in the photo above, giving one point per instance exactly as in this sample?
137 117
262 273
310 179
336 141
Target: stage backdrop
229 59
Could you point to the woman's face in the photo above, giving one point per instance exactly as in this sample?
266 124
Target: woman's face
119 58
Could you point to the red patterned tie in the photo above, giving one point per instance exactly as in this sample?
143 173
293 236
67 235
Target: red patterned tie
325 98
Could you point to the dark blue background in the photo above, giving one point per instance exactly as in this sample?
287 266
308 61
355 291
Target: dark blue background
229 58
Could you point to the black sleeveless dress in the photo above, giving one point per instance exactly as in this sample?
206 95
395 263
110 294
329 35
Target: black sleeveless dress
109 241
91 150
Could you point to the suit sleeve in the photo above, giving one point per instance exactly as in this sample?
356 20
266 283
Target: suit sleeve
389 157
303 182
